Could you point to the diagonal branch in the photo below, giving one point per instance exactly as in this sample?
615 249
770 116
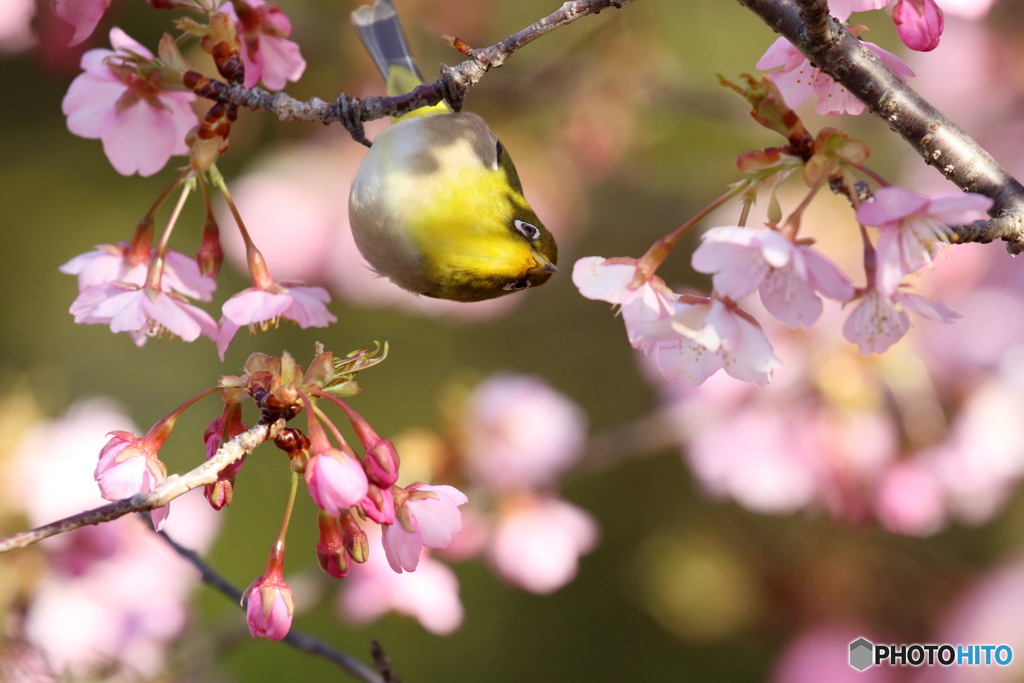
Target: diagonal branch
303 642
174 486
937 139
452 85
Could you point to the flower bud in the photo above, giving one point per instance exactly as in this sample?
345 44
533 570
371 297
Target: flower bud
269 607
330 548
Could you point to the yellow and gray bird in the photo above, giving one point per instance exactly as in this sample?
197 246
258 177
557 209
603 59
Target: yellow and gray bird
437 206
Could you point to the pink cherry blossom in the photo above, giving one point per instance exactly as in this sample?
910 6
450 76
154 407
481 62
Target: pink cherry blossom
519 432
810 657
263 307
141 125
266 52
116 263
878 321
336 481
430 595
269 607
142 311
129 465
83 15
644 297
537 543
919 23
798 80
788 275
708 336
912 224
429 517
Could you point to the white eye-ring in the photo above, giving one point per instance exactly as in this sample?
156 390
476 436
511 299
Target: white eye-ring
518 284
527 230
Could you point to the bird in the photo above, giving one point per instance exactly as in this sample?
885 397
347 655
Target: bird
437 206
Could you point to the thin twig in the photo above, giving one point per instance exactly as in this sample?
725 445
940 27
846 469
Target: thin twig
937 139
174 486
452 85
297 639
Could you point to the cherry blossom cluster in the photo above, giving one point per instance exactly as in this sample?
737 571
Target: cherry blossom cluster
349 489
511 438
139 106
692 337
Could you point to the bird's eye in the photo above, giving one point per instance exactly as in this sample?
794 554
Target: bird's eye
517 285
527 230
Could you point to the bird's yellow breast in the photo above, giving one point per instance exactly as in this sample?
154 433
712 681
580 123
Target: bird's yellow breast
431 209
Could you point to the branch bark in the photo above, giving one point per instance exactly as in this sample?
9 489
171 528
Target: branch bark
451 85
939 141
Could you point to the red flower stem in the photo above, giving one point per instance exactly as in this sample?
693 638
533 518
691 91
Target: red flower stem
162 429
156 261
258 269
275 563
660 250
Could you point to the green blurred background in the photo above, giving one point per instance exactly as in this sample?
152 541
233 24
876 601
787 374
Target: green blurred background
681 587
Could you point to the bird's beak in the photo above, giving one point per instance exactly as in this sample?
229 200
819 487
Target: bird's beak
543 265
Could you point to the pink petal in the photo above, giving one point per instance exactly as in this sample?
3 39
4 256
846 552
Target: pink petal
919 23
891 204
933 310
253 306
780 53
401 547
83 15
598 279
825 276
889 268
875 324
281 61
89 104
790 299
120 40
959 208
688 361
140 139
307 308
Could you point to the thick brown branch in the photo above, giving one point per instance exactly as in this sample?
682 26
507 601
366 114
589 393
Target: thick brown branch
938 140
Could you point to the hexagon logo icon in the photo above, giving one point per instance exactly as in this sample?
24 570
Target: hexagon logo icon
861 651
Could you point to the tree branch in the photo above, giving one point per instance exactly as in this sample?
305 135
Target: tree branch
174 486
303 642
938 140
452 85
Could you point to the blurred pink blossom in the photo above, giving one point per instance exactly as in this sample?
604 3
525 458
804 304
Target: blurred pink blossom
141 125
820 653
909 499
83 15
430 594
537 542
798 80
987 612
16 25
970 9
267 53
919 23
519 432
428 516
788 275
113 595
911 225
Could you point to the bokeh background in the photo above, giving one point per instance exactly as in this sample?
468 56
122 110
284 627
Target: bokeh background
745 534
